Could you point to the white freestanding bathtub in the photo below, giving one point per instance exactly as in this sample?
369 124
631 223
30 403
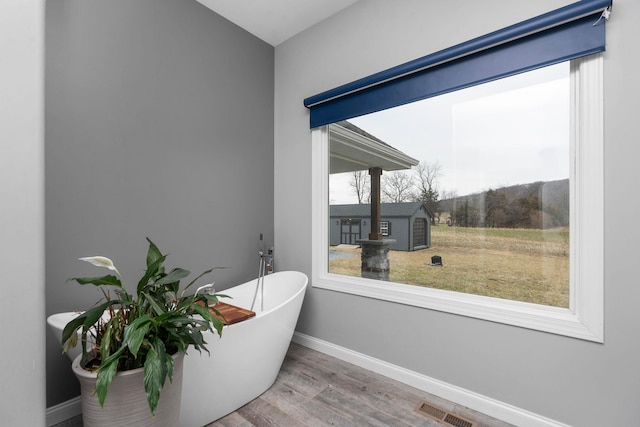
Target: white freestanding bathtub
245 361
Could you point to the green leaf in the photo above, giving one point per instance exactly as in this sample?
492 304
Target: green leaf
155 372
108 280
174 276
69 333
218 325
152 270
214 299
158 308
106 373
85 320
153 254
206 314
105 344
196 339
203 311
178 321
169 365
135 333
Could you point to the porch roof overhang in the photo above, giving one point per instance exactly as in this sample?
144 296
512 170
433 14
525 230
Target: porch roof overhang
352 149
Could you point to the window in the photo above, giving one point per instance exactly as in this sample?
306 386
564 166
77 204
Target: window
581 315
574 33
385 228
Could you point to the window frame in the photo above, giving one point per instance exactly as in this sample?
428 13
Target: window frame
584 319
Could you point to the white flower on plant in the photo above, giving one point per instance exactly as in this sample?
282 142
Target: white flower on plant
101 261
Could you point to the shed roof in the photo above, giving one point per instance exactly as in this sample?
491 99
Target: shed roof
404 209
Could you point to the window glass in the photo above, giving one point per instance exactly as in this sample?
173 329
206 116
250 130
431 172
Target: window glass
489 197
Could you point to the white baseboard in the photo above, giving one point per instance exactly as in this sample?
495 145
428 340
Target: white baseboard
475 401
486 405
64 411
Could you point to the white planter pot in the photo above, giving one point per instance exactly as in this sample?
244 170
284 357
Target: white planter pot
126 402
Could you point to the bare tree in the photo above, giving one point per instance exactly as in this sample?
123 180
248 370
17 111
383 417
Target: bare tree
360 184
397 187
427 174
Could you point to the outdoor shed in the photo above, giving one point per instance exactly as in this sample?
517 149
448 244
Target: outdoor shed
409 224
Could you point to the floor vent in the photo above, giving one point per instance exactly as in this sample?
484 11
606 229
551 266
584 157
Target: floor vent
443 416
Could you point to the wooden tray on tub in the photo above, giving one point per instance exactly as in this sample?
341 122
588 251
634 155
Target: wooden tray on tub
231 313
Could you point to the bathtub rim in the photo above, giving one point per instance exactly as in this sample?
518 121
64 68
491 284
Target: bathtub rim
270 277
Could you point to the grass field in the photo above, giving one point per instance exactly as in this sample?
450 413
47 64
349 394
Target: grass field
518 264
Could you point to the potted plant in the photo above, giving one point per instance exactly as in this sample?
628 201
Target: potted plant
146 333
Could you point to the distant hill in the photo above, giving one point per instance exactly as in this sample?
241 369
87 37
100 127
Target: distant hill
535 205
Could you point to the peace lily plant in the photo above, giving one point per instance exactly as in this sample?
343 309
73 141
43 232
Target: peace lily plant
143 330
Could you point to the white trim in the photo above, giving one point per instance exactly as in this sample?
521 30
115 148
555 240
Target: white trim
587 209
319 201
486 405
585 317
64 411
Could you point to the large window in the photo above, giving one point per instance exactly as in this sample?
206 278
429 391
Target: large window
511 176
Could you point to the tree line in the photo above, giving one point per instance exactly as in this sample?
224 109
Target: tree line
536 205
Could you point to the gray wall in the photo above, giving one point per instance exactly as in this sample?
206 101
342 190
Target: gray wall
576 382
159 123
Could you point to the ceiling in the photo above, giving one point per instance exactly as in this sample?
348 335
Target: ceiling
275 21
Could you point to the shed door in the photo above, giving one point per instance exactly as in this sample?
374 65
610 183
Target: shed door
419 232
349 231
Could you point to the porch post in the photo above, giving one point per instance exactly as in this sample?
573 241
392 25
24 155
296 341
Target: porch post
375 173
375 250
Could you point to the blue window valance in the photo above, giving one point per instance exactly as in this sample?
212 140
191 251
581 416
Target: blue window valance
570 32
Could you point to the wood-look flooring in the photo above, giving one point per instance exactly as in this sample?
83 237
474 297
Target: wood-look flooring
314 389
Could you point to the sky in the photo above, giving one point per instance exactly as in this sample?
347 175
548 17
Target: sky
511 131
